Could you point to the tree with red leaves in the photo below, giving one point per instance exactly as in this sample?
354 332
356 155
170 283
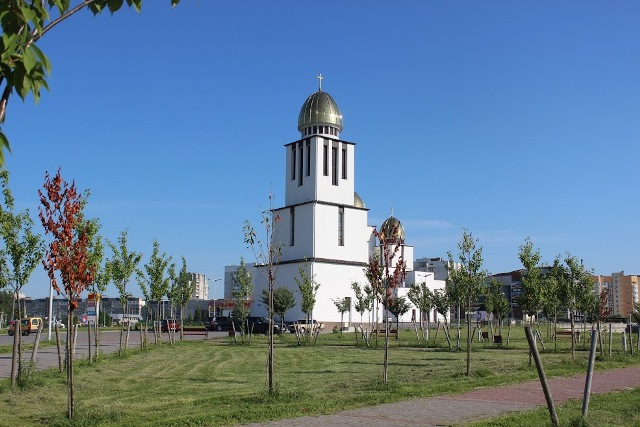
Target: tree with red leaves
66 260
385 272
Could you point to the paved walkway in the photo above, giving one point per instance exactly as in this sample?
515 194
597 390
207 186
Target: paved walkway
471 406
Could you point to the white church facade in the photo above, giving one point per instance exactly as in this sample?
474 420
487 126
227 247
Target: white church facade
323 226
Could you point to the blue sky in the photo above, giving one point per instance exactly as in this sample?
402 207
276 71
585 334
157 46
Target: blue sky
511 119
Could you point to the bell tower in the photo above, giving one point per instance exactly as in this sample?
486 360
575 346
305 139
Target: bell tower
319 164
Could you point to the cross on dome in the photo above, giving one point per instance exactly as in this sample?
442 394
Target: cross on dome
320 78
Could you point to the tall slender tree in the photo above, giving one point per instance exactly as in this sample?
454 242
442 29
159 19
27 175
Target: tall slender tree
156 280
575 285
531 300
421 296
468 277
241 291
120 267
268 254
308 289
181 292
22 251
496 302
66 256
443 308
385 272
363 298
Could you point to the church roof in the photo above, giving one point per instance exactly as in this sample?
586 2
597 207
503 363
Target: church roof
357 201
319 108
392 230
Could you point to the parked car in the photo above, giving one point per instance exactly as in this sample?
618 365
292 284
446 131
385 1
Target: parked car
167 325
302 326
260 325
27 325
222 323
633 327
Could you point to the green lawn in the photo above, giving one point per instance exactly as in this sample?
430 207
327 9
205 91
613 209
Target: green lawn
218 383
621 409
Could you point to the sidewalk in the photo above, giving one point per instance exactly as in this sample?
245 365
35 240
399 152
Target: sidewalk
471 406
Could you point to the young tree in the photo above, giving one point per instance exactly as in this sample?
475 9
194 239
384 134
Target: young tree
66 257
385 273
181 292
268 258
364 298
22 252
241 291
421 296
283 300
120 267
342 305
156 280
443 307
496 302
398 307
531 300
95 257
576 282
24 68
467 278
308 289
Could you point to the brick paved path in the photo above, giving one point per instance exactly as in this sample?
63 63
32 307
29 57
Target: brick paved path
470 406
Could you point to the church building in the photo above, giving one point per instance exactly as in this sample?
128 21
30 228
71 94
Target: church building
323 226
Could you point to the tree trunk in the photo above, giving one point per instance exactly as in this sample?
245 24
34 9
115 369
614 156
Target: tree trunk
60 362
270 355
96 338
70 378
468 337
16 356
573 335
386 347
89 338
120 348
34 353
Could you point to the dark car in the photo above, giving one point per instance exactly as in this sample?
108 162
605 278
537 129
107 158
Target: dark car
167 325
633 327
260 325
221 323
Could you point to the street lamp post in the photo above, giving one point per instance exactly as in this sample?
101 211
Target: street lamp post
214 292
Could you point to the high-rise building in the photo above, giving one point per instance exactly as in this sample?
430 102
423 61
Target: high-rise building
623 292
201 286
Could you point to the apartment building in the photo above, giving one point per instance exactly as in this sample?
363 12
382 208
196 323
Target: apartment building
623 292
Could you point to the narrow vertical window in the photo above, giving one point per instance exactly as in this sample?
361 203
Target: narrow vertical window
308 148
334 165
300 162
340 226
292 225
325 160
344 163
293 162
